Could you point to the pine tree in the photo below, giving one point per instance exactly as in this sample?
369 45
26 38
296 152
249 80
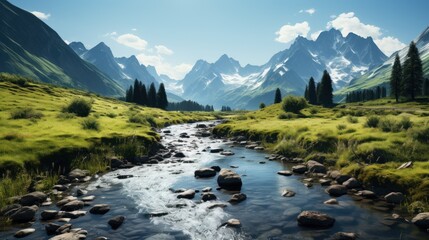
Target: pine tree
151 96
129 94
312 95
306 95
412 73
317 93
426 87
396 79
278 96
378 92
383 92
143 95
161 96
261 105
137 91
325 96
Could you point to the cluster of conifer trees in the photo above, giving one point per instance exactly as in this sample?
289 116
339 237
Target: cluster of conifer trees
407 80
189 106
366 94
320 94
225 109
137 93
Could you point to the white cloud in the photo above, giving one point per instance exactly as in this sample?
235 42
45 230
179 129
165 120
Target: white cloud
163 67
310 11
389 45
41 15
348 22
315 35
163 50
288 33
111 34
134 29
132 41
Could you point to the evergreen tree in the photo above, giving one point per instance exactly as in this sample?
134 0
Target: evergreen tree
261 105
278 97
383 92
306 95
396 79
151 96
378 92
317 93
325 96
312 94
137 91
412 73
143 95
161 100
129 94
426 87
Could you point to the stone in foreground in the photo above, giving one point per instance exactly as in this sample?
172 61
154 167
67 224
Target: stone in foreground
421 220
205 173
394 197
344 236
24 232
238 197
188 194
100 209
336 190
315 219
229 180
116 222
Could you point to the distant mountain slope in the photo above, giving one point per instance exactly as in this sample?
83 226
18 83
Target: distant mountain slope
226 82
380 75
123 70
31 48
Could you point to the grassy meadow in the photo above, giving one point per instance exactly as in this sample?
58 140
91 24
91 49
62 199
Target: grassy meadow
369 140
36 131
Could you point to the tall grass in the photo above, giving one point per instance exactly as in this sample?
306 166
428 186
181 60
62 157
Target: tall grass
13 185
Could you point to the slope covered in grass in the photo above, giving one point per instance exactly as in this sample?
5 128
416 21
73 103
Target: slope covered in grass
342 138
34 126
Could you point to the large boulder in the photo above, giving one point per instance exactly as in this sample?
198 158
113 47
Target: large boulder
315 219
336 190
205 173
116 222
300 169
73 206
115 162
188 194
34 198
395 197
229 180
351 183
315 167
24 214
421 220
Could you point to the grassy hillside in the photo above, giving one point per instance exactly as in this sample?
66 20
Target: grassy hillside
46 133
342 138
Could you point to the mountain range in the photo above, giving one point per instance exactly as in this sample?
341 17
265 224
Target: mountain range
380 75
31 48
226 82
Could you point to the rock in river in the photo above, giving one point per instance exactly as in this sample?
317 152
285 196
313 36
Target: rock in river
188 194
394 197
238 197
208 196
116 222
34 198
284 173
421 220
229 180
24 232
49 214
205 173
336 190
100 209
351 183
315 219
344 236
24 214
72 206
288 193
69 236
315 167
300 169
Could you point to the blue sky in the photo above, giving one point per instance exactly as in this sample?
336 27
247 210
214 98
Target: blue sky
173 34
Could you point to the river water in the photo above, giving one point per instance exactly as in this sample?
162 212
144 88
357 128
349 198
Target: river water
265 214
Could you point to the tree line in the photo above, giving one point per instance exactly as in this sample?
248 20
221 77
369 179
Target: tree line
407 80
225 109
366 94
138 94
189 106
320 93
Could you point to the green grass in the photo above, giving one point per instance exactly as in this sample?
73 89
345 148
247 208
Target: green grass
350 135
25 142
